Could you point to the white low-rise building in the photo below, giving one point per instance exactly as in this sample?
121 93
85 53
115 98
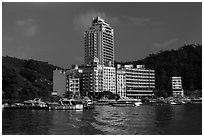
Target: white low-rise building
139 82
177 87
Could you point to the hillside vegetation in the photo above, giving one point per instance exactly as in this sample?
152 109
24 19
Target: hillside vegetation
26 79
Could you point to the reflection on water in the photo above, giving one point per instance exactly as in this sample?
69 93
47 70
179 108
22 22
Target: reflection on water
143 120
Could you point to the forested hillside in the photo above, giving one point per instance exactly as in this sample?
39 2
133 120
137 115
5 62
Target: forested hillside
26 79
185 62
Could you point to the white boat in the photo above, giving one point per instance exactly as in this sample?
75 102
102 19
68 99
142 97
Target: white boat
138 103
66 104
36 103
127 102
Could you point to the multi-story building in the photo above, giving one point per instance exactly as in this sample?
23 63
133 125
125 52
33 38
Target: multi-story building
99 73
59 82
120 82
177 87
140 82
74 76
99 43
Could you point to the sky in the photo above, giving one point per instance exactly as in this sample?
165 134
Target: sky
54 31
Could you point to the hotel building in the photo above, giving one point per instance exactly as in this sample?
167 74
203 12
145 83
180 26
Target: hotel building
99 73
139 82
99 43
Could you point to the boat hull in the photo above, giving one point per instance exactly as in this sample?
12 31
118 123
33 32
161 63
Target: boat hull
65 107
123 104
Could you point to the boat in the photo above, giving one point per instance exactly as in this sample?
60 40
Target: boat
104 101
196 100
175 103
127 102
36 103
66 104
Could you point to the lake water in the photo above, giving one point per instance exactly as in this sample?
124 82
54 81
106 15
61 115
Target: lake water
106 120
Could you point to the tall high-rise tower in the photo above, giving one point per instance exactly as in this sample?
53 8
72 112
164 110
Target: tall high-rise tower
99 43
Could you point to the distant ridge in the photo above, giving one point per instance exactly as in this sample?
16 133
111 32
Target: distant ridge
27 79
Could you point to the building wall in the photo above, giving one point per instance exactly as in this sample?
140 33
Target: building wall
109 79
59 82
121 83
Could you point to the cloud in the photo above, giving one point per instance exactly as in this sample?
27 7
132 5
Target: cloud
27 27
166 43
137 20
140 21
83 21
7 39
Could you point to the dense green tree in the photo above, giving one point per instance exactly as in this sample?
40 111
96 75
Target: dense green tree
26 79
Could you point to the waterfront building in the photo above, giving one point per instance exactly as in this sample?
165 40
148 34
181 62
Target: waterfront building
74 77
99 42
99 73
120 81
140 82
177 87
59 82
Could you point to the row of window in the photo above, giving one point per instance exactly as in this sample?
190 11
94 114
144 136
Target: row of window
107 34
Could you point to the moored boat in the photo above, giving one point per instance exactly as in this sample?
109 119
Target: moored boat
127 102
66 104
104 102
37 103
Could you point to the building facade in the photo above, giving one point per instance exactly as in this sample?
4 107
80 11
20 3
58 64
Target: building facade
99 43
120 82
177 87
74 76
92 81
59 82
98 78
109 79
